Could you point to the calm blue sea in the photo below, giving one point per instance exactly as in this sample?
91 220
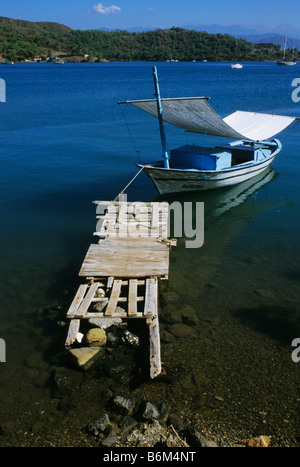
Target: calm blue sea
66 142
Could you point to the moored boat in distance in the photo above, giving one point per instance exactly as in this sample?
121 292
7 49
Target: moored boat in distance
237 66
58 61
192 167
284 61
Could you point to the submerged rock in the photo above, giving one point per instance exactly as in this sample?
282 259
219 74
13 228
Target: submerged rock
99 426
84 357
130 339
156 410
167 337
189 316
96 337
124 403
148 435
110 441
197 439
258 442
105 323
112 338
65 380
181 330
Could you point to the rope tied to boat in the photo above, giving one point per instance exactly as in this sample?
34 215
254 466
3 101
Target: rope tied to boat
125 188
130 134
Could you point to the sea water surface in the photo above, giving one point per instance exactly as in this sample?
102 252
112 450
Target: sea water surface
64 143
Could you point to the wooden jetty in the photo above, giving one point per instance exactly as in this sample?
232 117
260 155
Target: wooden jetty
123 269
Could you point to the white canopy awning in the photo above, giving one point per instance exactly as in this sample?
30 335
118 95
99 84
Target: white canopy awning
194 114
258 126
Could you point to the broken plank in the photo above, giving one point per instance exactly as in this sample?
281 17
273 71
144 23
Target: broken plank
151 304
77 300
132 297
110 281
72 332
87 299
155 356
114 297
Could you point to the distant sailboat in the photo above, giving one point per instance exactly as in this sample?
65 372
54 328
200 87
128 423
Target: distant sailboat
284 61
236 65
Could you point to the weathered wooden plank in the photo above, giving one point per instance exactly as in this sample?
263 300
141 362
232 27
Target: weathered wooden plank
114 297
155 353
138 281
134 243
72 332
150 308
87 299
128 257
77 300
132 298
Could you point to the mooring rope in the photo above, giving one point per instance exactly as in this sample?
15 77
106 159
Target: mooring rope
121 192
130 134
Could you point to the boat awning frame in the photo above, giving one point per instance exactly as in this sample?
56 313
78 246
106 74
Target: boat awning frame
194 114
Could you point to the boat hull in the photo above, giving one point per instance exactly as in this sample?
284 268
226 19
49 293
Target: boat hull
286 63
170 181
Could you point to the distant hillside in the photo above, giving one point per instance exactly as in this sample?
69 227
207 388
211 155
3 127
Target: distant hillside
175 43
23 40
27 26
20 39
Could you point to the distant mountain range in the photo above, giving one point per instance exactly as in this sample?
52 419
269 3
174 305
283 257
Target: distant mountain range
27 41
255 34
244 30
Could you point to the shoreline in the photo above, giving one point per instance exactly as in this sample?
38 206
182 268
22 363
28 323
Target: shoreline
95 60
114 404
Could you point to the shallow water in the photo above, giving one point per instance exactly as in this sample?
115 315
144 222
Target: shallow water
65 143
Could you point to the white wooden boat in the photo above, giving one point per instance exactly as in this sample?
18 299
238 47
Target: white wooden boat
237 66
193 168
176 180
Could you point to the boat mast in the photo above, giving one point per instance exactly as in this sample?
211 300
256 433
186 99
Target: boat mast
166 156
284 48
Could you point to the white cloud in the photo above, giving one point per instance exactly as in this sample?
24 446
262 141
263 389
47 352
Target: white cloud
106 10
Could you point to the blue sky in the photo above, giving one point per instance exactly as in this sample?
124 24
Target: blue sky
122 14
